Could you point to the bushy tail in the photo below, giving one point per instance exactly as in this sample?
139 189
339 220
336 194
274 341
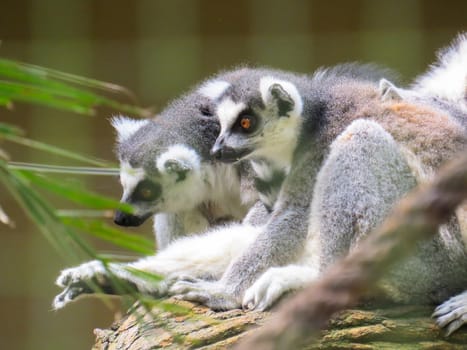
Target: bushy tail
447 78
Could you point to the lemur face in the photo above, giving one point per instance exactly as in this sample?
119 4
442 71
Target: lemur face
165 178
168 188
261 124
164 162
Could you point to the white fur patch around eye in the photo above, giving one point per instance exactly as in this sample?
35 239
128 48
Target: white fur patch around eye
228 111
266 82
182 154
214 89
126 127
130 177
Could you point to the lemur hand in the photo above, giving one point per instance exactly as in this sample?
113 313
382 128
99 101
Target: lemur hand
77 281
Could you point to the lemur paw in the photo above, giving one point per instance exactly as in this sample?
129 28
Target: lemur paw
212 294
70 293
452 314
75 282
264 292
84 271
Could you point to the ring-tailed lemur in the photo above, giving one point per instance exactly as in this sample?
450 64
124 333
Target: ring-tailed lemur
355 153
443 87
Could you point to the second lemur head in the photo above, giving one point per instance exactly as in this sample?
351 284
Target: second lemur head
162 159
265 112
260 117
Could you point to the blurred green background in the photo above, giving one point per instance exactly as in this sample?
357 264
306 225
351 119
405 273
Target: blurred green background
159 49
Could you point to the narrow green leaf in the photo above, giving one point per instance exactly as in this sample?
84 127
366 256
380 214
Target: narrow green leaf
45 96
118 256
32 73
77 195
176 309
46 168
6 102
150 277
33 78
117 237
33 84
53 149
84 213
62 238
10 129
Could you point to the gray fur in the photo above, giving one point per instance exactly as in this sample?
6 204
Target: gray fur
443 87
354 193
411 140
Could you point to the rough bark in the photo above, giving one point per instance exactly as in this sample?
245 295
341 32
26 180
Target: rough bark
401 327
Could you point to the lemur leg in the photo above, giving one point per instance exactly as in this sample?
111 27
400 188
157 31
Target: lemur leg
452 314
363 177
201 256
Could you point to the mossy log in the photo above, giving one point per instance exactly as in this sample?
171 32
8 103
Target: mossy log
401 327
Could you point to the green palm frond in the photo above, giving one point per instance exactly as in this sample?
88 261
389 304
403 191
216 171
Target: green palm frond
21 82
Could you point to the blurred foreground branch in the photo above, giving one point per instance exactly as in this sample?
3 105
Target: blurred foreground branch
417 217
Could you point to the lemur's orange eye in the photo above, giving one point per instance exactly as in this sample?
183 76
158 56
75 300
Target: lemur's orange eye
245 123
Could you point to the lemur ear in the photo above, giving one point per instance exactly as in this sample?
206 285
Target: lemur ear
284 102
126 127
178 160
177 167
281 94
388 91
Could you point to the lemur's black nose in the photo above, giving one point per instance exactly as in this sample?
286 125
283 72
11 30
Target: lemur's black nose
216 152
224 154
124 219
